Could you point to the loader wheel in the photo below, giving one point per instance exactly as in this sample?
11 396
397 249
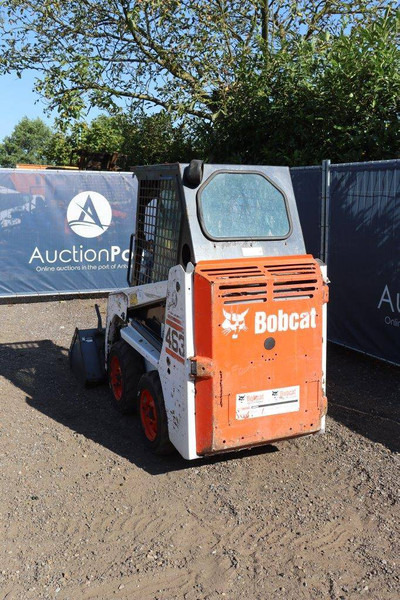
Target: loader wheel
153 417
125 368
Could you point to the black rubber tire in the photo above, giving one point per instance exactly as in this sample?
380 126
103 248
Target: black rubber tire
131 366
152 384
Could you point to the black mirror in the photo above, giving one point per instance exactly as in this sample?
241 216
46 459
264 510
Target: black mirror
193 173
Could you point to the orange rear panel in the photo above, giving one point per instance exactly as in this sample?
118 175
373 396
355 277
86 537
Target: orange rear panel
258 343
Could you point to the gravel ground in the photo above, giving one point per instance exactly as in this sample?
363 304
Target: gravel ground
86 513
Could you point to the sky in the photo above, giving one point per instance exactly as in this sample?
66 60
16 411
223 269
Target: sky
17 100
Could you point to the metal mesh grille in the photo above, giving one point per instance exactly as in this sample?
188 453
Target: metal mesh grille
157 230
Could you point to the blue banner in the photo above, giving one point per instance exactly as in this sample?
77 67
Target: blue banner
363 244
364 258
64 231
307 186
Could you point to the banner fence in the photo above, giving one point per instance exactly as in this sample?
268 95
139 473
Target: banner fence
64 232
67 232
361 246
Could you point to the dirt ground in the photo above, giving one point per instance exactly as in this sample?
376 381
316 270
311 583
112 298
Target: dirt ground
86 513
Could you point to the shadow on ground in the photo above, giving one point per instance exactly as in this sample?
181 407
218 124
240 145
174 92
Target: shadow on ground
41 369
364 394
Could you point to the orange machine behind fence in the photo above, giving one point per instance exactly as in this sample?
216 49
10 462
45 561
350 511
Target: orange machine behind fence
258 342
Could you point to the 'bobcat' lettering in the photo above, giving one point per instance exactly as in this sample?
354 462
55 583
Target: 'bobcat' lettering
284 321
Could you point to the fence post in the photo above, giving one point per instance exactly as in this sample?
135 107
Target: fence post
325 201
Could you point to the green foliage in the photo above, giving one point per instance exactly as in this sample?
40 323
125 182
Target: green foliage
142 140
58 150
26 144
339 98
273 81
361 84
185 56
154 139
103 134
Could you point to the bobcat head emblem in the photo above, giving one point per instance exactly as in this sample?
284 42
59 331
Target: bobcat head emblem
234 322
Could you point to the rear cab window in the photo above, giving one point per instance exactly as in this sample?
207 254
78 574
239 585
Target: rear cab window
236 205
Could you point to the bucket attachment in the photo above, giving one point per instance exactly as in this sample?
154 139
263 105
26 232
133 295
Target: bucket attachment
86 354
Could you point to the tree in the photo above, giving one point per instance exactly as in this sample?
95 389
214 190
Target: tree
186 56
26 144
154 139
58 150
148 139
103 134
338 99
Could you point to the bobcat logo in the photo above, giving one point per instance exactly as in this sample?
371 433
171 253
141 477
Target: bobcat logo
234 322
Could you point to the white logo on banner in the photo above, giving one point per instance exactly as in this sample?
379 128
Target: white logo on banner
89 214
390 301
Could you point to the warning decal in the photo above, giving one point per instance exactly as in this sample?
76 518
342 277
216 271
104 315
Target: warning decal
268 402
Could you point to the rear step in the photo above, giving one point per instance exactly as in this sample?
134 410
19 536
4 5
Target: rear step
142 339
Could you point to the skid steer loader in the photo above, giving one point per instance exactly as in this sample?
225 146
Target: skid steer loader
219 342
